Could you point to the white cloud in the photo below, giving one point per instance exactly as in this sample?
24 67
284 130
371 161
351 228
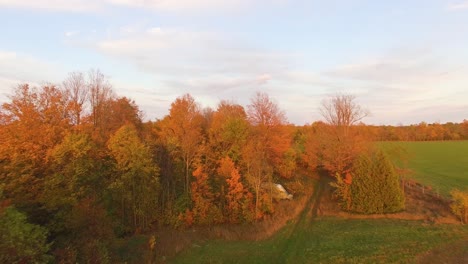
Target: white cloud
156 5
209 65
179 56
154 30
401 87
70 34
387 69
6 85
263 79
458 6
181 5
20 68
57 5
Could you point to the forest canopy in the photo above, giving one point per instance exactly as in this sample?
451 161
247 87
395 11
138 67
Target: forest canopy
80 167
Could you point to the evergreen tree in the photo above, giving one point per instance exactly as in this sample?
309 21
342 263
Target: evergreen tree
372 187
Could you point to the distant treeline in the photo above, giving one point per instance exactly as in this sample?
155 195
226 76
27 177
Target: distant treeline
420 132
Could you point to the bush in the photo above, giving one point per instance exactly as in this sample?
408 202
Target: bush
20 241
372 187
459 205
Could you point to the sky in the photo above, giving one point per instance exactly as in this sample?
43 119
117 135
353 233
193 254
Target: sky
405 61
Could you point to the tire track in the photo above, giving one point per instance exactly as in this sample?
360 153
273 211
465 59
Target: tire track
287 249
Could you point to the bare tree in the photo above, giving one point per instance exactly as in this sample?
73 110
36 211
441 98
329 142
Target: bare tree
341 143
77 92
272 140
264 112
342 111
100 91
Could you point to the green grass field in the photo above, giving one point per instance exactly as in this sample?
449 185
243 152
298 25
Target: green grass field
332 240
443 165
313 239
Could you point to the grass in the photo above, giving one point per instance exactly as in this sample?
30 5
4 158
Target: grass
332 240
443 165
314 239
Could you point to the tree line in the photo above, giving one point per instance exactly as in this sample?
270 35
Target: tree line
79 164
79 167
421 132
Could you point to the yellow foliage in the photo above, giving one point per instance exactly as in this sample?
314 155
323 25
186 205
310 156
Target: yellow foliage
459 205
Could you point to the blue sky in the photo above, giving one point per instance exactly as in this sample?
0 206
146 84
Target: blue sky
406 61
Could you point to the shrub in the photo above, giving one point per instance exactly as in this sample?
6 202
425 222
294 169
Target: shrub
459 205
371 187
20 241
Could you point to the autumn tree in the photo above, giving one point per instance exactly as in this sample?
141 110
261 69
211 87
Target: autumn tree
120 111
204 210
136 182
419 132
269 128
182 132
459 204
228 131
227 135
313 145
268 144
340 141
73 197
258 172
238 198
71 170
464 129
34 121
74 161
169 171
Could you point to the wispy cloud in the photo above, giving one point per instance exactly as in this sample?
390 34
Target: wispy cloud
458 6
156 5
209 65
200 60
70 34
418 69
58 5
397 85
181 5
22 67
17 68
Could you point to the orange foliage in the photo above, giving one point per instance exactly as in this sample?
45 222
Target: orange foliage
238 198
204 211
348 178
34 122
270 130
182 132
226 166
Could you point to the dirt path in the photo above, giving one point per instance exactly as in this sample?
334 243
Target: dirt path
288 248
171 241
294 242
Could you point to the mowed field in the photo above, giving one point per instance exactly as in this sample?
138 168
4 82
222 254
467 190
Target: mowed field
315 239
326 239
443 165
333 240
